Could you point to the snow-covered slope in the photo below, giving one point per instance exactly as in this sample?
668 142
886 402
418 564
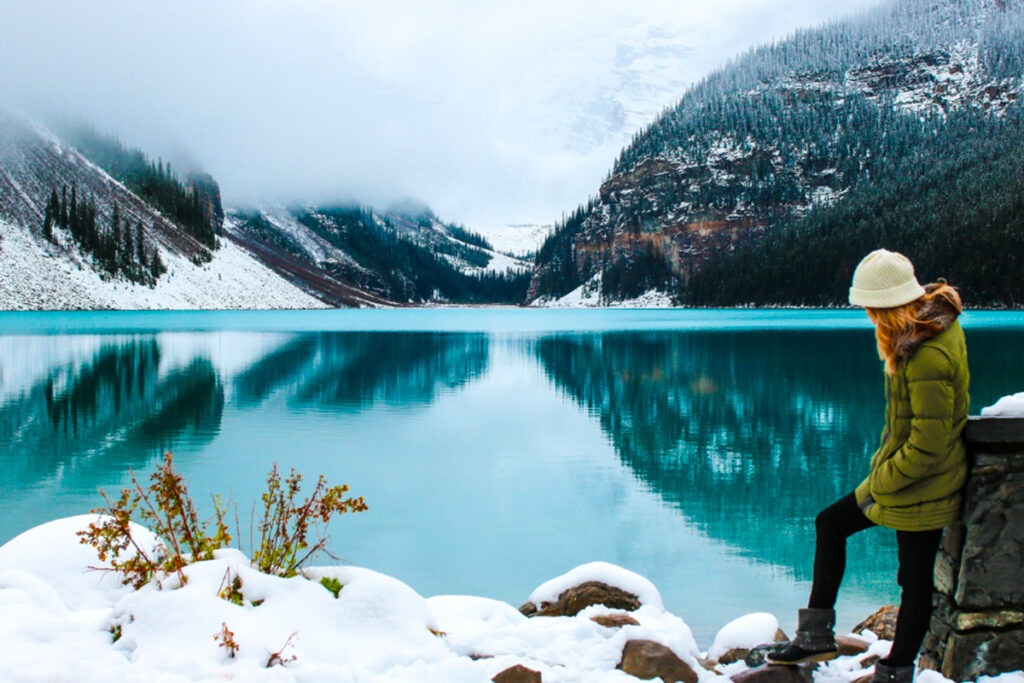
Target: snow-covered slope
59 273
35 275
117 249
516 240
404 253
34 162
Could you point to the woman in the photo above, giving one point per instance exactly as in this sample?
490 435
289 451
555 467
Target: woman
917 473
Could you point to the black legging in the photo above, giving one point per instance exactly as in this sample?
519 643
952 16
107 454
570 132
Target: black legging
917 551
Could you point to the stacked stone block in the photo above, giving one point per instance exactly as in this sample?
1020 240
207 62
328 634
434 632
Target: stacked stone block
977 628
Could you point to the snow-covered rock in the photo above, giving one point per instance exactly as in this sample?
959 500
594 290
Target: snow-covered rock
747 632
1007 406
601 572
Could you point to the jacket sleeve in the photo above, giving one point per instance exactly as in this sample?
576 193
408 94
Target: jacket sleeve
930 385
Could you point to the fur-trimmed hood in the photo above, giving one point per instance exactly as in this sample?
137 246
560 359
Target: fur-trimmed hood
935 316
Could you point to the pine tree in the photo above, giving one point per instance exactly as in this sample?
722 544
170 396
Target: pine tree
114 253
156 266
140 245
127 252
64 207
49 216
89 230
73 215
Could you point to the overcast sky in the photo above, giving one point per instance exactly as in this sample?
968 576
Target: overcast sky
491 112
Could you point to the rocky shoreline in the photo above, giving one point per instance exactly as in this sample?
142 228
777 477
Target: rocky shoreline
743 663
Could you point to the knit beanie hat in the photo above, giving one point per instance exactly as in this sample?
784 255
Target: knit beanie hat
884 279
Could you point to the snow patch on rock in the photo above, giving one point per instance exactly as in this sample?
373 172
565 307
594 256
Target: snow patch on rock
603 572
1007 406
747 631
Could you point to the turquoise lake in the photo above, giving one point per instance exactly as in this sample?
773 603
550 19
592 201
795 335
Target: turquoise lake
496 448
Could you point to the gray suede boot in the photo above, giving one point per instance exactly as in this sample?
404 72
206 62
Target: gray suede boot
892 674
814 641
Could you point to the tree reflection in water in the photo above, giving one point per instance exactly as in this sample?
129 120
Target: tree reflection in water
114 411
358 369
751 433
748 433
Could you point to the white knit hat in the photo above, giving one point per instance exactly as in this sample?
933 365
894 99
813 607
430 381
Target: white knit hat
884 279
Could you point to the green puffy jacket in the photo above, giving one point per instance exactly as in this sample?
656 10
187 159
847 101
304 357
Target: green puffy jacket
918 472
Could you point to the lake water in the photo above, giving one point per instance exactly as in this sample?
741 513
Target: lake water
495 448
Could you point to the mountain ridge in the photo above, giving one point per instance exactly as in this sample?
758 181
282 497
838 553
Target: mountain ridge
89 223
784 131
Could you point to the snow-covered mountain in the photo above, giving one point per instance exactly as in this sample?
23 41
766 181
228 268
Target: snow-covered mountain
65 272
404 253
785 131
638 77
516 239
90 224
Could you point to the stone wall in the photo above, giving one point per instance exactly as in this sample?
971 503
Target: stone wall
977 628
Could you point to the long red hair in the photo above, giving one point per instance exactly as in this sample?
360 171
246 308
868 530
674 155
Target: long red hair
894 326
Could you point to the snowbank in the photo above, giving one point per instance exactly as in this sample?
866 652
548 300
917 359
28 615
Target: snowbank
1007 406
51 556
59 620
62 620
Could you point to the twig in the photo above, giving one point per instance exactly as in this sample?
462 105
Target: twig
277 658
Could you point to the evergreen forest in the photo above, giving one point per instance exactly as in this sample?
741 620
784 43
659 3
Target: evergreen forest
118 249
155 181
409 270
956 210
828 162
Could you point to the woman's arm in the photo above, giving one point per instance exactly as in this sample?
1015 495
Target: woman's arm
932 401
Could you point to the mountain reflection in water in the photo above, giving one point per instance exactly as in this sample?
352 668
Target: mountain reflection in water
752 433
119 409
113 411
356 370
749 434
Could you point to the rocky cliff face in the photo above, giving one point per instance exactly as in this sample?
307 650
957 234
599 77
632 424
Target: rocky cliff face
789 128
